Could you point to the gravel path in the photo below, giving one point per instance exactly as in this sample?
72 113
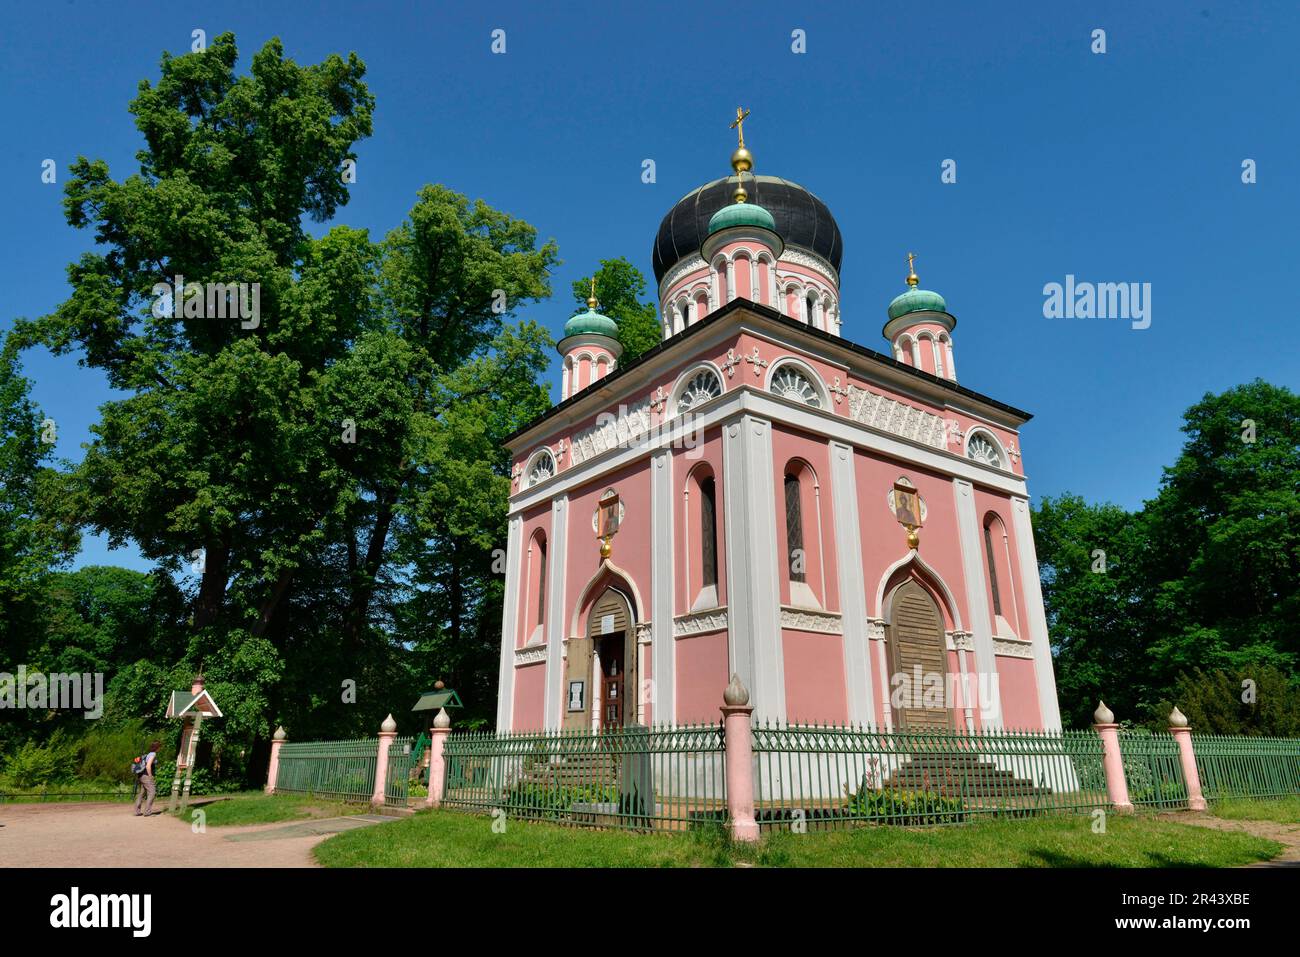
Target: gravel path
109 835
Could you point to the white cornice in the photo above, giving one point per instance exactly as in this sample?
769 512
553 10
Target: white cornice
745 397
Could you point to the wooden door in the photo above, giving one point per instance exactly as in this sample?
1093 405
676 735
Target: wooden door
916 640
613 683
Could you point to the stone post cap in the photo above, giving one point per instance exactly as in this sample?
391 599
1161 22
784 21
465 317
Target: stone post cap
736 694
1103 714
443 720
389 726
279 734
1177 719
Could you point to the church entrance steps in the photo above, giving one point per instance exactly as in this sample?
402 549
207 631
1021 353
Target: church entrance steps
963 775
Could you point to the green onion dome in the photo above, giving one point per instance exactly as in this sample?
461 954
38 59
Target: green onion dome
916 300
591 322
741 214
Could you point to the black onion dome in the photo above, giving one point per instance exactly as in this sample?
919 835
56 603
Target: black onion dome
801 220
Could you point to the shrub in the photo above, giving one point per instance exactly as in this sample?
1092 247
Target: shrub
35 765
897 806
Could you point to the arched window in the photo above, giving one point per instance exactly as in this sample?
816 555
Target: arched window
982 447
708 533
810 310
702 386
803 568
990 557
541 583
789 382
533 599
543 467
700 553
796 558
1002 596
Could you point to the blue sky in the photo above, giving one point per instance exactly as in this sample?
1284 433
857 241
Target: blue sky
1119 167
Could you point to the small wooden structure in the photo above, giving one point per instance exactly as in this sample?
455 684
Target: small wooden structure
191 707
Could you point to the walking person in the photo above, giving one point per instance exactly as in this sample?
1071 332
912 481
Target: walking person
146 768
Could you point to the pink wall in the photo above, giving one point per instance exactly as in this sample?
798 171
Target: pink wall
884 541
702 667
1019 693
814 677
530 697
630 552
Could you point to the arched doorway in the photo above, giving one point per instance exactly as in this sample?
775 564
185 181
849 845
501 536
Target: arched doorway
917 648
604 663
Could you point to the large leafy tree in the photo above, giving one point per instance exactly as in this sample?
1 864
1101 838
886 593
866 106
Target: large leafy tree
1204 580
32 541
619 287
314 467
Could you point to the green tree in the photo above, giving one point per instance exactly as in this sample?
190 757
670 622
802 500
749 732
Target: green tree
1204 580
32 541
1089 559
313 467
619 287
1224 534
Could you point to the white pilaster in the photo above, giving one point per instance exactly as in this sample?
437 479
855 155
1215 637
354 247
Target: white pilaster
853 589
753 586
555 611
1048 706
662 649
509 624
731 280
975 575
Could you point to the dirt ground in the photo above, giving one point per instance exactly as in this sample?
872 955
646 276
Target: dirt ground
109 835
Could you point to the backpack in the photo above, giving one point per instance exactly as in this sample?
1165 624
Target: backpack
139 765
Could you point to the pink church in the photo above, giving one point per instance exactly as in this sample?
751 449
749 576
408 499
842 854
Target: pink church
847 530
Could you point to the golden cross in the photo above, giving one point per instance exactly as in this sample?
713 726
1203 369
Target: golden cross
739 125
911 258
591 302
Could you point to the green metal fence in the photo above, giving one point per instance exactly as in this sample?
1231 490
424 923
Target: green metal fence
1235 766
832 776
402 764
1152 769
339 769
659 778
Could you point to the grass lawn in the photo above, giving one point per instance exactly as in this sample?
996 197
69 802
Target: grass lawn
451 839
254 807
1281 810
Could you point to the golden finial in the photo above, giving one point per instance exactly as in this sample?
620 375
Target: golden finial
591 300
742 161
912 278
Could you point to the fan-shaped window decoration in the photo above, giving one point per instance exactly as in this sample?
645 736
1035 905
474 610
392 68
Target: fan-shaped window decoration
981 449
790 383
543 468
701 387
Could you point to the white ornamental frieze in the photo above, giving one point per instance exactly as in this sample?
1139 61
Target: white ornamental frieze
897 418
611 432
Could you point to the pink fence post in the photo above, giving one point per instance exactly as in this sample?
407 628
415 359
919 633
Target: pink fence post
1112 760
387 731
740 761
277 742
437 764
1183 735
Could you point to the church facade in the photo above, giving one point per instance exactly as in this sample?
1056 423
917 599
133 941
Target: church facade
847 530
